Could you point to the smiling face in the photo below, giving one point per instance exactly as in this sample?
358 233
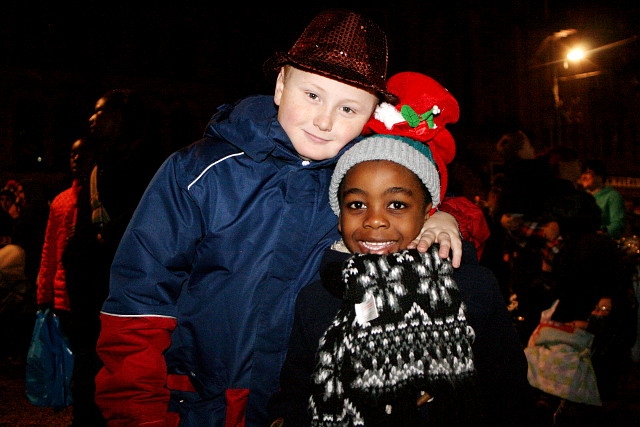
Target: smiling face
383 207
320 115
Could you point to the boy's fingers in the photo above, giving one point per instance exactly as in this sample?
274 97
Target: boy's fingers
423 241
427 238
456 252
451 247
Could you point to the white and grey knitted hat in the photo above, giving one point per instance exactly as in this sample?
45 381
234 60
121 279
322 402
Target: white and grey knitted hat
411 154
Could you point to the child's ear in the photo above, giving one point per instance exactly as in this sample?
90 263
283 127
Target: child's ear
427 211
340 222
279 87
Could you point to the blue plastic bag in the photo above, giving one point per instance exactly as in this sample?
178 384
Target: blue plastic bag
49 363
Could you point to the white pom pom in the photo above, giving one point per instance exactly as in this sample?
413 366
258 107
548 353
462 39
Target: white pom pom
388 115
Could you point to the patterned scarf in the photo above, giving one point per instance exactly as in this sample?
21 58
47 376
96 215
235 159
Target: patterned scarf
402 331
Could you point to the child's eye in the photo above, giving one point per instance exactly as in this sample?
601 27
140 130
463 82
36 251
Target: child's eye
312 95
397 205
347 110
356 205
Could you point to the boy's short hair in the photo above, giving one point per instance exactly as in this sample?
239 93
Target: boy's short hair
597 167
406 152
343 46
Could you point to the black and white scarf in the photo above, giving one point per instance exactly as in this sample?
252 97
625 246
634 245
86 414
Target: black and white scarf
401 331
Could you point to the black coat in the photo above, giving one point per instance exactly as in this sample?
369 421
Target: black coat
498 354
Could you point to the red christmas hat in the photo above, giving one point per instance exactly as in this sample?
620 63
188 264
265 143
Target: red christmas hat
425 107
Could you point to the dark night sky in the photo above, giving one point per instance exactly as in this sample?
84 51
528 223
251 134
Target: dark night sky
202 54
193 40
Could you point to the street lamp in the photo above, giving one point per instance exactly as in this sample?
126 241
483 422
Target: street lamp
557 103
550 46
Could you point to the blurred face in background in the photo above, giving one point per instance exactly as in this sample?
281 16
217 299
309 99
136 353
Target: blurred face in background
527 151
80 160
105 121
570 170
590 181
6 201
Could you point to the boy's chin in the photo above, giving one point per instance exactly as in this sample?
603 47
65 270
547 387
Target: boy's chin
316 153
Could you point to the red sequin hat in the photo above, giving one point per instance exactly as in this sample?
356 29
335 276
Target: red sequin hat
343 46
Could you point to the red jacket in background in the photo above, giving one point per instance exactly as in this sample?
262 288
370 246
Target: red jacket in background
51 282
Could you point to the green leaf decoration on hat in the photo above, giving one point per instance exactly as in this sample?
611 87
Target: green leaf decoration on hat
414 119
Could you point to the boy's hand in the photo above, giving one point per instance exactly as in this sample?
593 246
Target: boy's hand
442 228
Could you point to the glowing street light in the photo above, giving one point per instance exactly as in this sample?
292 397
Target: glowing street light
551 46
576 54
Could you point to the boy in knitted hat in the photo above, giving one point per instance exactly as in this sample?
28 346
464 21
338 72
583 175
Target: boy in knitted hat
390 336
202 287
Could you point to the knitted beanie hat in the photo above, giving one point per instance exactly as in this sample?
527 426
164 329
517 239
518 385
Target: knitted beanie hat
411 154
411 133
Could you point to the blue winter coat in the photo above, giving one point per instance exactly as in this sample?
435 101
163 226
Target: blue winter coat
226 234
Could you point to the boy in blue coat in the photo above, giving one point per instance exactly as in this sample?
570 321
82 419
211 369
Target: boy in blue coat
204 281
389 336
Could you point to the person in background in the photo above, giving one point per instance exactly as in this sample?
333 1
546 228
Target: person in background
12 256
7 221
7 202
203 284
19 198
611 203
566 168
525 175
381 191
592 319
51 281
523 185
14 287
29 221
539 239
125 159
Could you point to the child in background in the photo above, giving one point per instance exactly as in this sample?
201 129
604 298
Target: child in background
610 201
203 285
382 190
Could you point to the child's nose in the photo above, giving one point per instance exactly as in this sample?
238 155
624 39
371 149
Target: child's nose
375 219
323 121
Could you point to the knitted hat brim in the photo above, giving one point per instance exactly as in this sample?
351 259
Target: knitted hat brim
392 148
